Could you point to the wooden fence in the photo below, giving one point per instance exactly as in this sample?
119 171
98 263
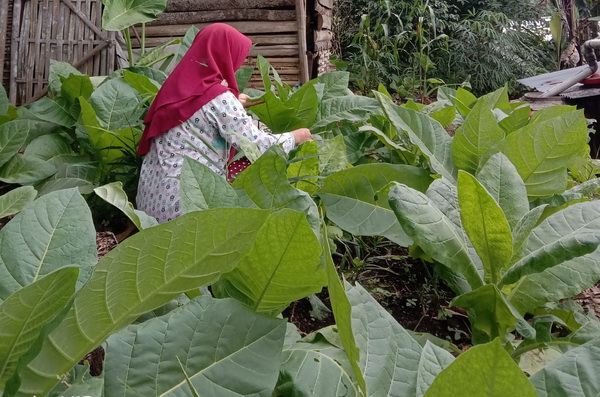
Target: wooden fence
295 36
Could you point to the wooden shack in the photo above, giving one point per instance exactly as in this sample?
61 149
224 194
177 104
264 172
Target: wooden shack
294 35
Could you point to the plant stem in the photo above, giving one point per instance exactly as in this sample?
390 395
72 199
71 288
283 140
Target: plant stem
143 39
127 36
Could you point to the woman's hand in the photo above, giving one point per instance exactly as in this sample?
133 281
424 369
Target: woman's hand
302 135
247 102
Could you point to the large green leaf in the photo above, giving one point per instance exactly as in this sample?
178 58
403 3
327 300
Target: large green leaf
109 144
121 14
143 273
202 189
332 156
25 313
350 199
485 370
305 163
116 104
314 370
433 231
264 185
334 84
343 108
486 226
26 170
215 341
283 266
58 69
75 86
444 194
575 374
479 133
542 151
56 230
54 111
393 363
15 200
114 194
490 315
342 313
13 136
501 179
568 234
4 102
562 281
424 132
299 111
187 41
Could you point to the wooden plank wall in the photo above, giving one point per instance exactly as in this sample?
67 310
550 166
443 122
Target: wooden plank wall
272 26
322 43
6 7
62 30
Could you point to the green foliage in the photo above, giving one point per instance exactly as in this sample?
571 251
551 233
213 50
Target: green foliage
212 339
483 370
15 200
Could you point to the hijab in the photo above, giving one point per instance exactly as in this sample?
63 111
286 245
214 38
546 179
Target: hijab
206 71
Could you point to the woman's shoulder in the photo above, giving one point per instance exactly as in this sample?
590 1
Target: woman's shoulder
226 98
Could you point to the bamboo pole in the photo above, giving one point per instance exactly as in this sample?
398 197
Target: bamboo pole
303 50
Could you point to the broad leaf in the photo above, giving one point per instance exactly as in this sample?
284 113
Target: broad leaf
213 339
335 84
437 235
144 85
562 281
15 200
75 86
265 185
116 104
58 70
202 189
187 41
55 231
114 194
57 111
332 156
4 103
424 132
305 163
143 273
351 202
485 370
479 133
121 14
25 313
486 226
13 136
342 313
501 179
568 234
542 151
278 271
575 374
490 315
26 170
343 108
444 116
316 369
393 363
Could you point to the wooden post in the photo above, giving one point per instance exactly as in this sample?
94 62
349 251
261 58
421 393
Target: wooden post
3 31
303 50
14 47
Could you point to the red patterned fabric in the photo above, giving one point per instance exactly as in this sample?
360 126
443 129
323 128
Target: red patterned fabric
217 52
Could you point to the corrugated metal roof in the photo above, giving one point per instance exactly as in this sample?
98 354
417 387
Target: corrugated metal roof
544 82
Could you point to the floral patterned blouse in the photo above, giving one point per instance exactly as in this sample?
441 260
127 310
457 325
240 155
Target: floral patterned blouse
207 138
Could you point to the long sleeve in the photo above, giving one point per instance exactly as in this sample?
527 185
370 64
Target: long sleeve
229 116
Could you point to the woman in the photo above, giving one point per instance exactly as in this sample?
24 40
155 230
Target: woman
198 113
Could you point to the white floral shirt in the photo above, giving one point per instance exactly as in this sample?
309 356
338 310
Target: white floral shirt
206 137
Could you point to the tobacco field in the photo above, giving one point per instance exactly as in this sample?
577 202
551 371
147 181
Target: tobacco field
499 203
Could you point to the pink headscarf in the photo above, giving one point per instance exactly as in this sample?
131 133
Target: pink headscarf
217 52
